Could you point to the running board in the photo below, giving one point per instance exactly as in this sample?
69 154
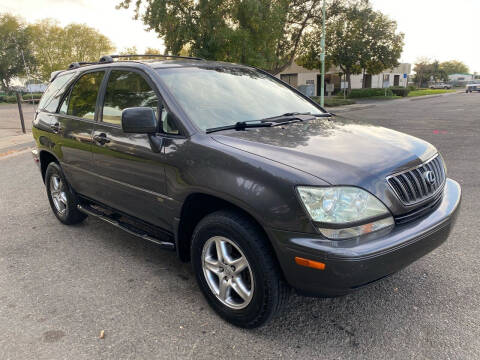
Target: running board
125 227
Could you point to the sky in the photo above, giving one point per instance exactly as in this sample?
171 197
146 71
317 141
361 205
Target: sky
436 29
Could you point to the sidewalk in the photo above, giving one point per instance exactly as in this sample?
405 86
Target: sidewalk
12 139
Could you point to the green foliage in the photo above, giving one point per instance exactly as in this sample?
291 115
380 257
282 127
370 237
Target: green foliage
423 92
427 70
357 39
263 33
29 96
10 99
363 93
15 39
454 67
55 47
400 91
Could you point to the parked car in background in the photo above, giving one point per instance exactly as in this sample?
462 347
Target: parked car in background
241 174
440 86
473 85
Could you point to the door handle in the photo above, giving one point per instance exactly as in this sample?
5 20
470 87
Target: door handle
101 138
56 127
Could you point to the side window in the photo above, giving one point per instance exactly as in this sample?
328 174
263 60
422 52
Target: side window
82 99
54 92
126 89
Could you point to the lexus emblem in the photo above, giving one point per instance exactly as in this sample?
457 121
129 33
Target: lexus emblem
429 177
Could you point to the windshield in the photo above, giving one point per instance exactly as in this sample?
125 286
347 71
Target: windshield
221 96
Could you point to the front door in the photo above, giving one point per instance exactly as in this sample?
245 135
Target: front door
396 80
130 176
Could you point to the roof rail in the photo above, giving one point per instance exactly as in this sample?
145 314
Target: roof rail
109 58
76 65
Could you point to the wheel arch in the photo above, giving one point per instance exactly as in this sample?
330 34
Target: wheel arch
46 157
198 205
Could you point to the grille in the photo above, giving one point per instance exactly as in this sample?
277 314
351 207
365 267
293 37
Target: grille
420 183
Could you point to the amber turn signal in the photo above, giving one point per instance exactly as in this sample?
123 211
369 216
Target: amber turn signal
309 263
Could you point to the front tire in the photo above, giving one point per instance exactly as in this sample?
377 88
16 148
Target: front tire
236 270
63 200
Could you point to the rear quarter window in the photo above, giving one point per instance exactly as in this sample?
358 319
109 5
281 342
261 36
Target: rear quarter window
52 96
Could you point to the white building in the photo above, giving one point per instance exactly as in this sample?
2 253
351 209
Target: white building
308 81
460 78
36 88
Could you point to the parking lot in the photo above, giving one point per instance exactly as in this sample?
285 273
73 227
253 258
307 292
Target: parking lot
61 286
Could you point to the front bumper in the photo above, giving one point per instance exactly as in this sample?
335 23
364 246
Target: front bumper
350 264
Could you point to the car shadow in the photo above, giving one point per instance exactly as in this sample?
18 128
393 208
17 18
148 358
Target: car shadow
389 307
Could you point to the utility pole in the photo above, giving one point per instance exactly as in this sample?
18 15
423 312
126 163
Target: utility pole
322 58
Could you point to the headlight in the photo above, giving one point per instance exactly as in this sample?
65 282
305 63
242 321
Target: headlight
344 212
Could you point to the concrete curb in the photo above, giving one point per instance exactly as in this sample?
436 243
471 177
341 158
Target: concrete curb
16 148
338 110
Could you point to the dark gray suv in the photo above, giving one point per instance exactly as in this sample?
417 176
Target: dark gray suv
239 173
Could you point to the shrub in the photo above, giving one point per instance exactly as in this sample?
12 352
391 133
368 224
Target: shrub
11 99
361 93
412 87
29 96
400 91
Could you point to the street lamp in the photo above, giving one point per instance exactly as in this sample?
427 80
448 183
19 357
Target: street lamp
322 58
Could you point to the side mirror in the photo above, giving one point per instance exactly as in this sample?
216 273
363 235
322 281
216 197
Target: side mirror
139 120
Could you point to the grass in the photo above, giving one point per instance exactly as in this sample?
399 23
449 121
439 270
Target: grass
423 92
334 101
391 97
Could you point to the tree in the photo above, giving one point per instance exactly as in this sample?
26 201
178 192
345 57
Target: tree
15 49
454 67
263 33
357 39
55 47
427 70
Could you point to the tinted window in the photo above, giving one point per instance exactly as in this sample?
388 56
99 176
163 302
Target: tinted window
222 96
126 89
54 92
83 97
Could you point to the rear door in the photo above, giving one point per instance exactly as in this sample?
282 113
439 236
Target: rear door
74 125
131 177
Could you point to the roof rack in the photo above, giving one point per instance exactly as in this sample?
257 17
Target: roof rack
76 65
109 58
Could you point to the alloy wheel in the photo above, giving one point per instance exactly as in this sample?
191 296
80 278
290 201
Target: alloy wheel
227 272
58 194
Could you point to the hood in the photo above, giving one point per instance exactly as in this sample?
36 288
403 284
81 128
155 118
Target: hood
338 151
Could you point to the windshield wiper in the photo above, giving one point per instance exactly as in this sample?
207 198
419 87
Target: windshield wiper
241 125
297 116
286 118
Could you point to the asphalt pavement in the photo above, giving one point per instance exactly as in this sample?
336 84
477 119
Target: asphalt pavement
60 286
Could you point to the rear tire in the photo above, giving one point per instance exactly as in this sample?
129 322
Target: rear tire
263 289
63 200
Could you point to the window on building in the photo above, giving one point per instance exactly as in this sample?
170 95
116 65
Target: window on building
290 79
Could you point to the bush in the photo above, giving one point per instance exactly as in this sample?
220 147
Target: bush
29 96
400 91
412 87
362 93
11 99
